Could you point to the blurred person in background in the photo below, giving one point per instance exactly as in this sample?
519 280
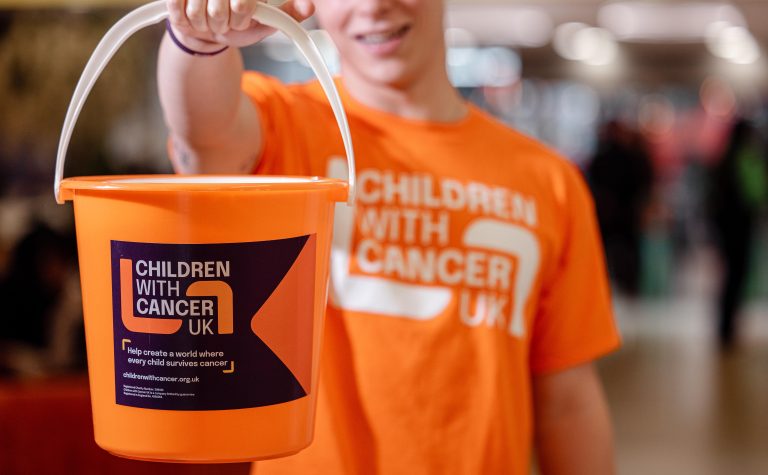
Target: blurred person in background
621 177
462 391
41 324
738 194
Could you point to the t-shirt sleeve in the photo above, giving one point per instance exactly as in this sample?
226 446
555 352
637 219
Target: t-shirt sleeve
283 151
574 322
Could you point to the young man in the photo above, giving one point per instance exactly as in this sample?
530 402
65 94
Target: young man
468 287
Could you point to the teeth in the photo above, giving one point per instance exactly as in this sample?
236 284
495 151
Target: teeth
376 38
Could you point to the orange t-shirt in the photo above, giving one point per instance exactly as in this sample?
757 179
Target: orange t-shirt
471 261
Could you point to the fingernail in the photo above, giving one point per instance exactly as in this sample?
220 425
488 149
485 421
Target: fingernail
302 6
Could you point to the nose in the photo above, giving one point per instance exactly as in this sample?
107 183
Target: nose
373 7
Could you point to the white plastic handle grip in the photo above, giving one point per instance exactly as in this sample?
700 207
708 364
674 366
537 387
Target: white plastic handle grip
155 12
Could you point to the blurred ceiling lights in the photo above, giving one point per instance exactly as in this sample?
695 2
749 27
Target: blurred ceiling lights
581 42
497 24
665 22
720 24
734 43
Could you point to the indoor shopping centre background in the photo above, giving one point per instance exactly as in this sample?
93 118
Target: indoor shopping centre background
642 95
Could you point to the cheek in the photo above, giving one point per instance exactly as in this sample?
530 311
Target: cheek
428 9
331 14
429 14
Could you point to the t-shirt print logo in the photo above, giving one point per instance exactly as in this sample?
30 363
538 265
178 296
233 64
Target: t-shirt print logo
516 240
489 279
374 294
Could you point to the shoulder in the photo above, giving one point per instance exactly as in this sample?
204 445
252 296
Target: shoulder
522 142
543 162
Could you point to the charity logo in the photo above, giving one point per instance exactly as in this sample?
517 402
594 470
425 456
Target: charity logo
202 308
213 326
399 237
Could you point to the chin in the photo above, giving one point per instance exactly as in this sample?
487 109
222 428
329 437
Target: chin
394 80
386 74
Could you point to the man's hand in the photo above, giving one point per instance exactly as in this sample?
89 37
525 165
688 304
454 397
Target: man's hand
206 25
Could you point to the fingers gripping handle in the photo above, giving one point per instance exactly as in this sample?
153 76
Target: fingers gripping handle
156 12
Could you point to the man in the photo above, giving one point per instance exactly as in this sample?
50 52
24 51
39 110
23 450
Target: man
469 295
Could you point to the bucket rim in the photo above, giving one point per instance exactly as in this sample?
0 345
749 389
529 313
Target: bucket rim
201 183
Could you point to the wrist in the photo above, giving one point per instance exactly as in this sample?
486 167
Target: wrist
193 46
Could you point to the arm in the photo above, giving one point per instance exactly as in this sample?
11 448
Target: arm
214 127
572 426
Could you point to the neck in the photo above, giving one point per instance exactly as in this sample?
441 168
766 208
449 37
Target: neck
430 98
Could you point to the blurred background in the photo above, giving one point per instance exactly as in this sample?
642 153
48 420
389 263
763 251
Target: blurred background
662 104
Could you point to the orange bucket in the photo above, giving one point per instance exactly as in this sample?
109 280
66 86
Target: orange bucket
204 296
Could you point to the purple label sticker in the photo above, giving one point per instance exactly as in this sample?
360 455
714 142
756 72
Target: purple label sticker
213 326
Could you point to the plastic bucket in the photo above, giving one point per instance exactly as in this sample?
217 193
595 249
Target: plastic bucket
203 296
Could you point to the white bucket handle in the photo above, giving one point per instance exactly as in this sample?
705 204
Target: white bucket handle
155 12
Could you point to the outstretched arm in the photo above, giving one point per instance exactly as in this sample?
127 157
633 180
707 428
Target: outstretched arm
573 433
214 127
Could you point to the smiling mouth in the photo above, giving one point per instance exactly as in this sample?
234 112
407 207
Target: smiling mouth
380 38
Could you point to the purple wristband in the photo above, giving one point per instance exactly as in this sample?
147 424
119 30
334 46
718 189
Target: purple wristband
187 50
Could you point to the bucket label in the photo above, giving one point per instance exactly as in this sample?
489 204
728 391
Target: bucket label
213 326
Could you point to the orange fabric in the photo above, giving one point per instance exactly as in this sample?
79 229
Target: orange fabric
471 261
